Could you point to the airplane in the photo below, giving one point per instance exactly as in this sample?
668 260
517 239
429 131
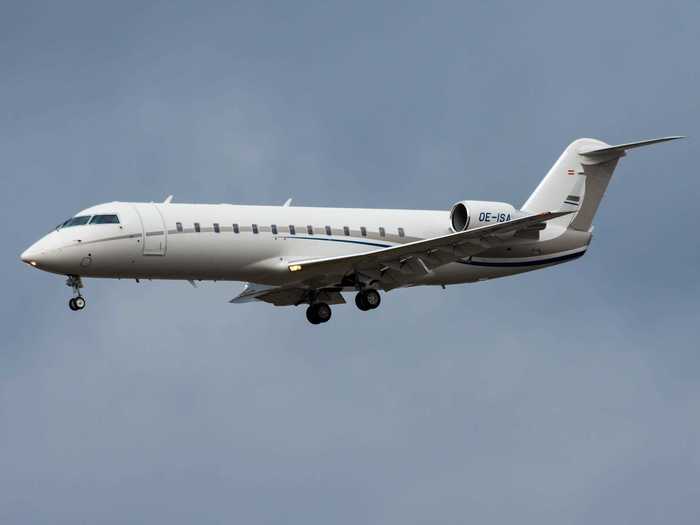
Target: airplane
290 255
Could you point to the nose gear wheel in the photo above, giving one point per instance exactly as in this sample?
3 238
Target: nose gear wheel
78 301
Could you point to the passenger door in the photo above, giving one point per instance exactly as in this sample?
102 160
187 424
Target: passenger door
155 235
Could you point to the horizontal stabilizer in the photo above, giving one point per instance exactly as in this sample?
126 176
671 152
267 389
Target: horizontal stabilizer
620 148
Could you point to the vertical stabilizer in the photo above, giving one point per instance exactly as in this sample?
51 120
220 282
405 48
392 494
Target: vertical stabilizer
579 178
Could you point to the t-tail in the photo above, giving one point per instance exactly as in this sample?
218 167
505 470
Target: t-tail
579 178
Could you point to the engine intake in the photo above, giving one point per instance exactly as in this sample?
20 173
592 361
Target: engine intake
459 217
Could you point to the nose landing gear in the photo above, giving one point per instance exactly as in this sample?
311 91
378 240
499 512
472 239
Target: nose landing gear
78 301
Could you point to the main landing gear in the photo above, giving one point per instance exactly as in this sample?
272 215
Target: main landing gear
78 301
368 299
318 313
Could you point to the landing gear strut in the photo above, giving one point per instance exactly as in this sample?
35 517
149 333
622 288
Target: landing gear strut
368 299
78 301
318 313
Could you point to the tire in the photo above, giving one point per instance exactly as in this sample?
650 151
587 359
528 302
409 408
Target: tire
311 314
372 298
323 312
79 303
71 304
361 303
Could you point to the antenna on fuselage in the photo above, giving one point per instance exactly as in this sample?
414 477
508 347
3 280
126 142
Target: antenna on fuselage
287 203
168 200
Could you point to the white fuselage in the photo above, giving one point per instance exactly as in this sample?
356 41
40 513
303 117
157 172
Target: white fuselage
219 242
301 255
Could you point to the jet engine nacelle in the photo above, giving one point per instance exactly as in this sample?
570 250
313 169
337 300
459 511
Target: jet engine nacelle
467 215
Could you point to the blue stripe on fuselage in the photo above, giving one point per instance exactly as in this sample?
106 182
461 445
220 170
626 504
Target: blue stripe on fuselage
338 240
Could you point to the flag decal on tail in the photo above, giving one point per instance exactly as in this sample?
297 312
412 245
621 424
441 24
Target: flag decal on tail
570 172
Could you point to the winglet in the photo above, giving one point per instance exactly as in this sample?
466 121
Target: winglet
621 148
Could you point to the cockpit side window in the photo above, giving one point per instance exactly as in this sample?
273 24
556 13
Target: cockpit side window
104 219
76 221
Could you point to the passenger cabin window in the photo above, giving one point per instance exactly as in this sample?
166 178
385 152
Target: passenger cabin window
216 227
273 228
292 229
255 228
363 231
310 229
401 232
328 230
346 230
382 232
196 227
178 226
104 219
77 221
235 228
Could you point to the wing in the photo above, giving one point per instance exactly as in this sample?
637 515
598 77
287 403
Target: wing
285 295
389 264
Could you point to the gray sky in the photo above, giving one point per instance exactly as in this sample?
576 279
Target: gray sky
568 395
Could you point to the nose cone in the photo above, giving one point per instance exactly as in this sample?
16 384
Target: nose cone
29 256
45 254
32 254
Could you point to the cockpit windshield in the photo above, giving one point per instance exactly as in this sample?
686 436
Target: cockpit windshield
76 221
104 219
81 220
